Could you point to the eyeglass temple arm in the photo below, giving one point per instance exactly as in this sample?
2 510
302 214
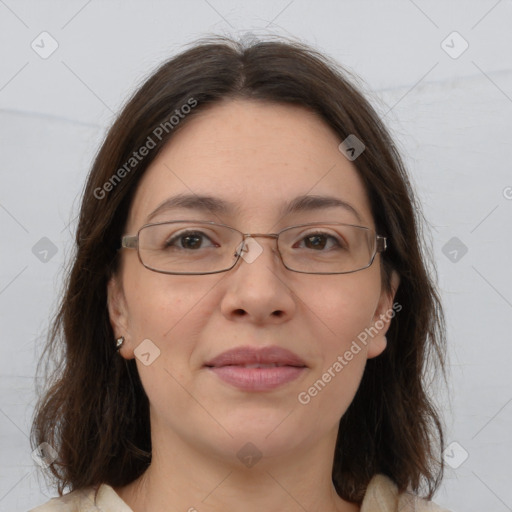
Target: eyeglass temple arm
130 242
382 243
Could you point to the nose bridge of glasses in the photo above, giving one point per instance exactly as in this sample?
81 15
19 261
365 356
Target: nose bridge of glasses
250 249
253 236
260 235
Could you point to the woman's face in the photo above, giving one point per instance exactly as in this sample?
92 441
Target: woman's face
257 158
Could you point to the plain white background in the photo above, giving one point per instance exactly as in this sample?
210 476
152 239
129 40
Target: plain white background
448 106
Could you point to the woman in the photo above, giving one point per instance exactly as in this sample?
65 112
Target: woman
248 318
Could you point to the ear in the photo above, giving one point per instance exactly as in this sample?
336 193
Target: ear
117 310
385 312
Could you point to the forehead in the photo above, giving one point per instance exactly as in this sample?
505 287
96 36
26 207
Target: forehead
257 156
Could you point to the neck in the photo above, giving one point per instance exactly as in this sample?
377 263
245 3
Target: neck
188 478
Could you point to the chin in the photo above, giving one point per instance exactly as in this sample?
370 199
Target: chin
251 447
271 431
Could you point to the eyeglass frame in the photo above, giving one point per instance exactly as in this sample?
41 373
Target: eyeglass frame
132 242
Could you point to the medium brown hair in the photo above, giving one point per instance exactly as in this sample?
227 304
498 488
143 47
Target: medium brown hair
94 410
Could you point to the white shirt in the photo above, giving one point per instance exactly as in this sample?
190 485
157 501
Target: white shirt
381 496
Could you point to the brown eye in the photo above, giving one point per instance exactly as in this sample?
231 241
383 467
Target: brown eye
321 241
192 240
315 241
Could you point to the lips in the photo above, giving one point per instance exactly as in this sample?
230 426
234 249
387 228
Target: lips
257 369
252 357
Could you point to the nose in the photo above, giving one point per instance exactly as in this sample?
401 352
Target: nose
257 288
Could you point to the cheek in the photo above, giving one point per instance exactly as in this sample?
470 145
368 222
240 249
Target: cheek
171 312
163 307
341 311
331 389
343 308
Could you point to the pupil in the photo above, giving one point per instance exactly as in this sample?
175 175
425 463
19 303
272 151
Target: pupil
315 241
191 241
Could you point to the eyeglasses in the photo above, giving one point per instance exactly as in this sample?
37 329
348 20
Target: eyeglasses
191 247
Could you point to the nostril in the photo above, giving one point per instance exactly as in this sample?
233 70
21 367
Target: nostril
239 312
279 313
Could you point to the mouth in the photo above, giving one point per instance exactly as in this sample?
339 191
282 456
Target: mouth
257 369
258 365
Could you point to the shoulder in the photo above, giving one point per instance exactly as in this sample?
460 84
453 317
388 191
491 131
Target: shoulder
382 495
90 499
76 501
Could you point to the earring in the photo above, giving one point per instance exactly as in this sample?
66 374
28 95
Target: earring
119 342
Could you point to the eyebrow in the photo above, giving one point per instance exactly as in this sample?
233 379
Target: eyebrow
217 206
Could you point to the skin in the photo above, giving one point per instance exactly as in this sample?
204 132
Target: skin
256 155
